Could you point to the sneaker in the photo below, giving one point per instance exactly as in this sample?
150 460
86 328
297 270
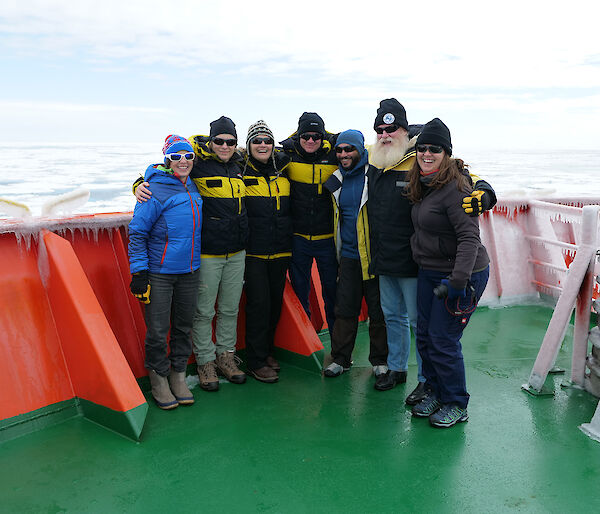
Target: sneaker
417 395
265 374
448 416
334 370
273 364
427 406
390 380
380 369
207 375
227 366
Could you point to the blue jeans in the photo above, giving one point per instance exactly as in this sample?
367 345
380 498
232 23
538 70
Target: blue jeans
439 332
171 308
303 253
399 305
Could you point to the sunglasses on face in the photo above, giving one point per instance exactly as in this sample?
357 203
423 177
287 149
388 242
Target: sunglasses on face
189 156
308 136
347 149
431 148
265 140
389 130
220 141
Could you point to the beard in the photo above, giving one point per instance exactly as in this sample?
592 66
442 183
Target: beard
387 155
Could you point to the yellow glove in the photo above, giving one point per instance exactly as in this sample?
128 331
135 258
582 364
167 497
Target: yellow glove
475 204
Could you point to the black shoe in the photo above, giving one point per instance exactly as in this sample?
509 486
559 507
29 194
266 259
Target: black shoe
417 395
390 380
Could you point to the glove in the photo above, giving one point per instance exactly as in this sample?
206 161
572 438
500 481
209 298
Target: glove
453 293
140 287
478 202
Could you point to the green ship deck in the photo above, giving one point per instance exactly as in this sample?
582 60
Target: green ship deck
311 444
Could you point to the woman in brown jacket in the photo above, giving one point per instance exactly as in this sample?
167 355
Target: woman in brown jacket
453 272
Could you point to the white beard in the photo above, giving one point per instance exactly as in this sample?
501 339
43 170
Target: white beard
386 156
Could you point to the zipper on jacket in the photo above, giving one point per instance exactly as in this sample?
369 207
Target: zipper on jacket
193 227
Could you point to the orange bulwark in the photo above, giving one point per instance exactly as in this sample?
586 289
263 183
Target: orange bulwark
72 335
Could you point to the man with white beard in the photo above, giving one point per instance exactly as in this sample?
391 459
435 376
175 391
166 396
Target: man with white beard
391 157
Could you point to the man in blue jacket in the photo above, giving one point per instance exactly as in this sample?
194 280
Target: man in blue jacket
348 186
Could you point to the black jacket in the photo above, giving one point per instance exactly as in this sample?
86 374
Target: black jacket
268 207
312 210
224 217
390 221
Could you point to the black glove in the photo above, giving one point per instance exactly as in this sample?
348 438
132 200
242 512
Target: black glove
478 202
140 286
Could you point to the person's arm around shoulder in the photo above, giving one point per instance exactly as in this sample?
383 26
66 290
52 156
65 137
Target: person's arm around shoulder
482 199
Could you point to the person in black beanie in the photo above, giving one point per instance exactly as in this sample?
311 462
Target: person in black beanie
313 161
392 156
453 272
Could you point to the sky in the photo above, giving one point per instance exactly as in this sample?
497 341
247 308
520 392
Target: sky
502 75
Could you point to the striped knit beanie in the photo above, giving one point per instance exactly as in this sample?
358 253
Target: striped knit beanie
260 127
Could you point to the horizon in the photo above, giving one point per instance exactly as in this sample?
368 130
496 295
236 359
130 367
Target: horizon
140 70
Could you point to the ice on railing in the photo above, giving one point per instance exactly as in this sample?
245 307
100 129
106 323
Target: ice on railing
27 231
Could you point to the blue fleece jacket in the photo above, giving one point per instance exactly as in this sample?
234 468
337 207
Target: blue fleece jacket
164 233
351 193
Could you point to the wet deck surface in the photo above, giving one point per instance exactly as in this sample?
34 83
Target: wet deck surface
314 444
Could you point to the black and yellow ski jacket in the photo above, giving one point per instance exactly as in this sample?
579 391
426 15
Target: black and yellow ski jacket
312 211
268 205
221 185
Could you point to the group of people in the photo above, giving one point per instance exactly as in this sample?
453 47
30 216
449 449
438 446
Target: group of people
394 223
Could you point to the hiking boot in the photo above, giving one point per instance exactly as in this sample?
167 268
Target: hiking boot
427 406
390 380
207 375
265 374
380 369
417 395
334 370
161 392
448 416
179 388
227 366
273 364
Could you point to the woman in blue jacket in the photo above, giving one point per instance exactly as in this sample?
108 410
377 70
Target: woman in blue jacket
164 258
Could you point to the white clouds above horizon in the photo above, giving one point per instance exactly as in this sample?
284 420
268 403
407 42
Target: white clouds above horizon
465 59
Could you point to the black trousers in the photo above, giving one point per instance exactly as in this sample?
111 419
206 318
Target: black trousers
351 289
264 282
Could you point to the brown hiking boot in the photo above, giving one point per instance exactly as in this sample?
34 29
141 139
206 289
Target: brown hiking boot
273 364
227 366
207 375
179 388
265 374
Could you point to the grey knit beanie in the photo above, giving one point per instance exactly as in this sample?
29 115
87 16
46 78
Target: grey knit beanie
260 127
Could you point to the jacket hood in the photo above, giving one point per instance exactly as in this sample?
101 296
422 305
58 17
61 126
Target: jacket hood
159 173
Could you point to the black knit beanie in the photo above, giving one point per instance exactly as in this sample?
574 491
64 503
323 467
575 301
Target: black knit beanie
223 125
435 132
311 122
391 112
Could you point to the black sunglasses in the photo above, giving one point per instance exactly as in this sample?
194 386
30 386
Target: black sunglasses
389 130
311 135
431 148
265 140
229 142
347 149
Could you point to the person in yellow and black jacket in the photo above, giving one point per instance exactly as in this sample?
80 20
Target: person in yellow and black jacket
349 188
312 163
217 174
269 247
